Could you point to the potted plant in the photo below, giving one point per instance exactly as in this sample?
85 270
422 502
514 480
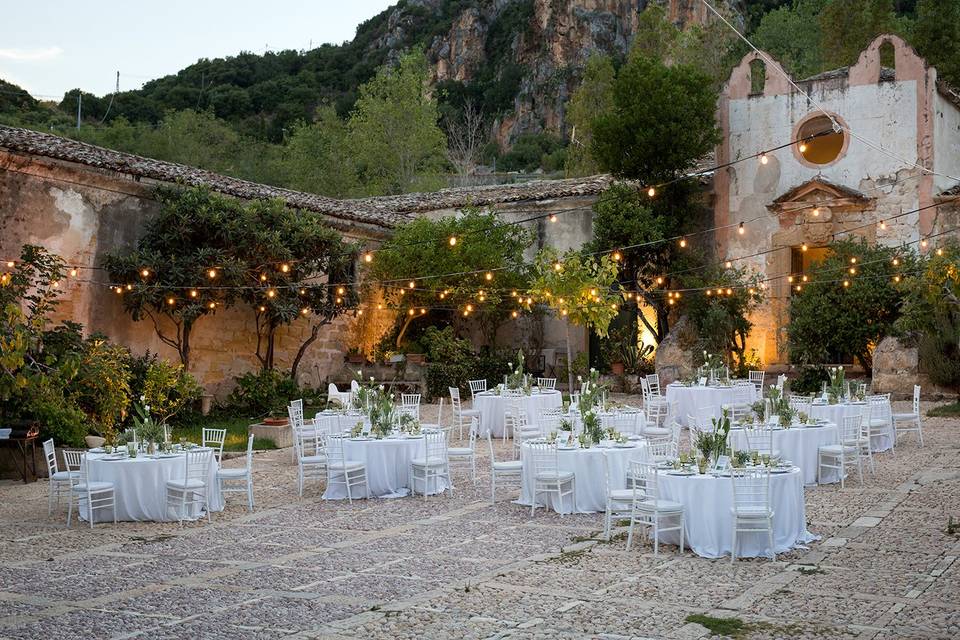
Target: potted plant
355 356
414 353
275 419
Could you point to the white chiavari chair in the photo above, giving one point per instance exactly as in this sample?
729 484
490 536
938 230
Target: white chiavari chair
188 495
462 416
751 509
97 496
214 438
880 419
511 470
410 404
341 470
466 457
648 510
756 378
547 383
846 453
911 420
433 467
476 386
239 479
547 476
59 482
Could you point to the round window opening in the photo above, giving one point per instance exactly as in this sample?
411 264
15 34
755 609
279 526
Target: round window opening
817 142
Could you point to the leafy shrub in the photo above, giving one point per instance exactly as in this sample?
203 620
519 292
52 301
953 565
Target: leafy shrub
102 386
492 366
452 360
810 380
267 391
58 416
167 389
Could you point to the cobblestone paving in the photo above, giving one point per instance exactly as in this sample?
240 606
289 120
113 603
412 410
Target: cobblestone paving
458 567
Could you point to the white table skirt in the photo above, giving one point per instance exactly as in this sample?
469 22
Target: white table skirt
836 412
493 407
388 467
140 486
587 466
690 400
798 444
708 523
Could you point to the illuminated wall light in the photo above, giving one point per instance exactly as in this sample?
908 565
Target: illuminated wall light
741 230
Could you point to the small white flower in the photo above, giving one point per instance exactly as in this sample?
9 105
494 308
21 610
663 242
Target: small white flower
143 398
146 408
371 379
579 378
359 373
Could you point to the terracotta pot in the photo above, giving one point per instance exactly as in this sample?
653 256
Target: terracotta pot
275 422
616 368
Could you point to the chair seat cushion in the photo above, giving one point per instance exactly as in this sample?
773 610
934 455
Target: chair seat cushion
433 462
470 412
555 476
879 422
905 416
655 432
63 476
622 495
837 449
313 459
186 484
460 451
93 487
348 465
659 505
756 512
232 473
508 465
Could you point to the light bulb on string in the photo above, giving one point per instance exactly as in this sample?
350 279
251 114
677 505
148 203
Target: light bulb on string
846 283
804 278
804 247
740 229
923 243
212 273
11 264
213 305
853 271
304 311
728 264
119 290
285 268
557 266
379 307
262 308
790 279
651 192
368 257
616 256
853 260
263 277
422 311
514 314
803 147
271 293
129 287
359 312
683 243
798 287
171 301
883 225
896 262
341 291
896 278
411 284
469 307
660 280
816 212
488 276
939 251
453 241
764 159
145 273
193 293
553 217
338 301
303 292
73 273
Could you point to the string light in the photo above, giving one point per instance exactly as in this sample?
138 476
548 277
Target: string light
846 283
411 284
285 268
563 312
129 287
728 264
853 260
410 312
896 278
729 292
305 311
616 256
11 264
488 276
263 277
212 273
193 293
340 290
73 273
119 290
816 212
213 305
651 192
790 279
171 301
338 300
453 241
803 147
764 159
359 312
804 278
469 307
853 271
798 287
896 261
379 307
883 225
514 314
939 251
557 266
145 273
741 230
804 247
553 217
368 257
923 243
271 293
303 292
683 243
422 311
262 308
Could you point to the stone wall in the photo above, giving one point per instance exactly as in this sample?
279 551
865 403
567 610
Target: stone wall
897 367
81 214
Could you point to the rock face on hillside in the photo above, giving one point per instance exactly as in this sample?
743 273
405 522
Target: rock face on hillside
532 51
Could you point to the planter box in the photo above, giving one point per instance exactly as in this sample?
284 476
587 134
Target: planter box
276 422
281 434
416 358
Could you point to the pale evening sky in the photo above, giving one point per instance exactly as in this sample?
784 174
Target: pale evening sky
51 46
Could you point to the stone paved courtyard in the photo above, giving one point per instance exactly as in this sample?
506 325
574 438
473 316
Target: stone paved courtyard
457 567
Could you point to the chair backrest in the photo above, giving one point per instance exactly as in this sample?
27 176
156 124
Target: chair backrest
756 377
476 386
250 452
850 427
653 382
454 398
644 476
547 383
493 456
215 438
751 489
334 446
295 414
916 399
879 406
781 380
644 389
544 457
660 450
436 446
760 437
326 423
50 453
298 405
73 460
743 392
410 399
197 465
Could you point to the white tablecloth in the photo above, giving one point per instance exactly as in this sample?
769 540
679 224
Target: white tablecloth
388 467
690 400
140 486
587 466
493 407
708 523
798 444
836 412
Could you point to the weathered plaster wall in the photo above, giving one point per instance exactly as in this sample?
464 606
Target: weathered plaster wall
81 213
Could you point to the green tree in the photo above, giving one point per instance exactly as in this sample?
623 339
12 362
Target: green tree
792 35
848 26
482 245
579 288
593 96
318 159
936 34
393 128
829 320
931 314
662 122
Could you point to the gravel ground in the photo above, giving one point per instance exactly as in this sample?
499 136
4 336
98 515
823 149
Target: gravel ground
459 567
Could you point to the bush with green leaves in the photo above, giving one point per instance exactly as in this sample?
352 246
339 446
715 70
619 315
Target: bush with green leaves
265 392
168 389
810 379
452 361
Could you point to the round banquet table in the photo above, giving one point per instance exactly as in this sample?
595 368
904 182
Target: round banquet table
708 523
140 486
690 400
835 413
492 408
587 466
388 466
798 444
